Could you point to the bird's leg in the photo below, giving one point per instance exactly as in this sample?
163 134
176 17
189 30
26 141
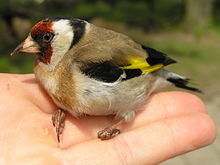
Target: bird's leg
58 120
110 132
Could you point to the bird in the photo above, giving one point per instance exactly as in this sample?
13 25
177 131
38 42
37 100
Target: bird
90 70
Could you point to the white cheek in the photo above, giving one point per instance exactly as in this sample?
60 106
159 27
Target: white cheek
63 36
60 44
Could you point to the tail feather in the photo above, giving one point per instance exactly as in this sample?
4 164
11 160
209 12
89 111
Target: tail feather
182 82
176 80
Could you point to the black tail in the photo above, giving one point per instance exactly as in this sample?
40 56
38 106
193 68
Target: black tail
182 83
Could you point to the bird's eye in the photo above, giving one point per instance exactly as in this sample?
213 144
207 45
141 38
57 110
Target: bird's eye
48 37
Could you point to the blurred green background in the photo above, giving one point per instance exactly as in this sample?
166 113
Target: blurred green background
186 30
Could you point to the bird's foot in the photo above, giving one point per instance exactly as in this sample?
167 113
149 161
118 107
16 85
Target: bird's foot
58 120
108 133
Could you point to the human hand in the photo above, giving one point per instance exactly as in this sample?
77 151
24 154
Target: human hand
172 123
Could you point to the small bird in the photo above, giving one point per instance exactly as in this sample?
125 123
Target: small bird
95 71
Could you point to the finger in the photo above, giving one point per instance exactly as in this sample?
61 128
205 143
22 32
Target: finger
37 94
26 87
150 144
160 105
165 105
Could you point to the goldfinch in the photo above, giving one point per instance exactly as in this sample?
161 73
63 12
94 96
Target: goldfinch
95 71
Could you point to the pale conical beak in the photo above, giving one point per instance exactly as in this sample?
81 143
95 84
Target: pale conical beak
27 46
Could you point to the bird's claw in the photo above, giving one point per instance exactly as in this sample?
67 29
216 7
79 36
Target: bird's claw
58 120
108 133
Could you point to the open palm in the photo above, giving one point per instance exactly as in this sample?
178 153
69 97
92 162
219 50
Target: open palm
171 124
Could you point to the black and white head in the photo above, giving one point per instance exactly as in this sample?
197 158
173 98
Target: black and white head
51 38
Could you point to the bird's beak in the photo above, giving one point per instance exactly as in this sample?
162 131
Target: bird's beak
27 46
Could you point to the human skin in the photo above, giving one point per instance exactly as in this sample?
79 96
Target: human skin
171 124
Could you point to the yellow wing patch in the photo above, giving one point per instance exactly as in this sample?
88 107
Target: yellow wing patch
136 63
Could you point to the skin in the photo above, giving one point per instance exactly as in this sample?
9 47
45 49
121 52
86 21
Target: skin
172 123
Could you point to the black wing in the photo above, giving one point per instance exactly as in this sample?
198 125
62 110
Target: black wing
109 72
